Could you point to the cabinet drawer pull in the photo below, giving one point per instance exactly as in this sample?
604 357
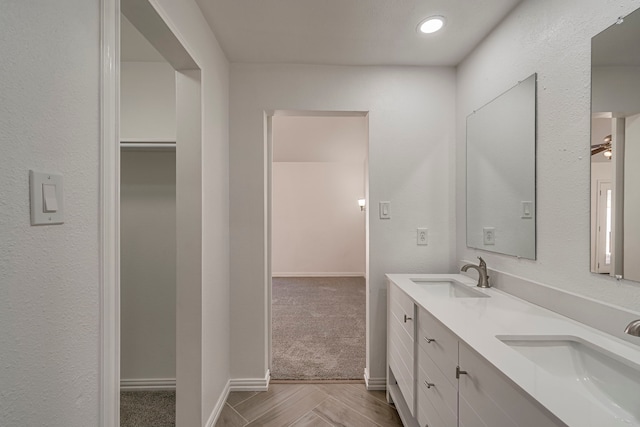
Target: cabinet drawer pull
407 318
429 340
460 372
428 384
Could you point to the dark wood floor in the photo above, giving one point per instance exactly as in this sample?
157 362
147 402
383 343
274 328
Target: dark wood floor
309 405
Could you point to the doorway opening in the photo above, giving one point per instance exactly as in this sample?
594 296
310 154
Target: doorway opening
318 245
159 210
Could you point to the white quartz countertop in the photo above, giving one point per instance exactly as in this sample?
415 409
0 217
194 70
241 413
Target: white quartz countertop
477 322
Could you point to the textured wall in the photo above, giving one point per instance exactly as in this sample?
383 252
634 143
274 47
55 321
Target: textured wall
411 143
553 39
318 227
49 283
147 101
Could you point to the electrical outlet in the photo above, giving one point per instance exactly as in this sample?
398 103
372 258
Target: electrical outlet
489 235
423 236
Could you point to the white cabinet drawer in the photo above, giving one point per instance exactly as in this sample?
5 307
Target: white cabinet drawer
440 344
434 387
403 310
494 399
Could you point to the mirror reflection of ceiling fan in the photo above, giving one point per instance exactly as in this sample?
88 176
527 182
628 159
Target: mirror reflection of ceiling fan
604 148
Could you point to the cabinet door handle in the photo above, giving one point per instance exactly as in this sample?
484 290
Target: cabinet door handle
407 318
429 340
460 372
428 384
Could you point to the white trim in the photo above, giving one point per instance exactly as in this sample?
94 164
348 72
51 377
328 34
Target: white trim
217 409
109 214
251 384
325 274
374 383
138 384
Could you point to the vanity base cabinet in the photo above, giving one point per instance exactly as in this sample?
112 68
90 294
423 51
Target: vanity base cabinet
422 358
487 398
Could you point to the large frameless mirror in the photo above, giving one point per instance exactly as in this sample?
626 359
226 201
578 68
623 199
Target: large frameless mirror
615 149
501 169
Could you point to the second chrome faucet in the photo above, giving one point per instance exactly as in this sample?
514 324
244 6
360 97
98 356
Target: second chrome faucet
483 277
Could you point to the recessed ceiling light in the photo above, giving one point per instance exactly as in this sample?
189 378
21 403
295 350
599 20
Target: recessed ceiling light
431 24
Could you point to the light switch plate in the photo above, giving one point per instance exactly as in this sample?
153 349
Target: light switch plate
385 210
38 182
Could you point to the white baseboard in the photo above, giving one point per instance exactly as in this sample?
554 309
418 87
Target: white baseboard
374 383
217 410
138 384
306 274
251 384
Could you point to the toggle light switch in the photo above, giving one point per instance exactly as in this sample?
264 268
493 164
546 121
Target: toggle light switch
385 210
527 210
46 196
49 198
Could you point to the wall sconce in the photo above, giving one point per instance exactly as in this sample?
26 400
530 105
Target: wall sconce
361 203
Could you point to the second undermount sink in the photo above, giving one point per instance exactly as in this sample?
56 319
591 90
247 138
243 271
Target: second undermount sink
450 288
597 374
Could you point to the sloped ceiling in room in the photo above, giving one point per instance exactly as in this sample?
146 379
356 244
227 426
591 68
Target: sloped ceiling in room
350 32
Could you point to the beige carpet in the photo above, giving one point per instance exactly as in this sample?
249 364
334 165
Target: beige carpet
147 408
318 328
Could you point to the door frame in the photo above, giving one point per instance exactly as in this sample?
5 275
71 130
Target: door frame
268 190
109 214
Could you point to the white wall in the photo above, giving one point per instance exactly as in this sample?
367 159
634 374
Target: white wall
148 265
552 39
49 275
147 101
190 26
318 228
318 176
411 122
616 89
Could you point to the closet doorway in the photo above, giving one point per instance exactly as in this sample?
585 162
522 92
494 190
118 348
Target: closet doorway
147 233
161 223
318 246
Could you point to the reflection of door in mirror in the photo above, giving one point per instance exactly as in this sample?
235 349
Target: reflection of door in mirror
601 195
602 247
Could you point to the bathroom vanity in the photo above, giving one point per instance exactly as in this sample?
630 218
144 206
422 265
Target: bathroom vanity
458 355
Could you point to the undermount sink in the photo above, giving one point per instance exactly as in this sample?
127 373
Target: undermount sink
450 288
603 378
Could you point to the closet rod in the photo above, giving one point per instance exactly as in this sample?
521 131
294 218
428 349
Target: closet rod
148 145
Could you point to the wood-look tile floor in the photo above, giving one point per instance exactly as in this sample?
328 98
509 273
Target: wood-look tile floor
309 405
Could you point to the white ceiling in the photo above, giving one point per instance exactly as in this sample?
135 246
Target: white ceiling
350 32
320 139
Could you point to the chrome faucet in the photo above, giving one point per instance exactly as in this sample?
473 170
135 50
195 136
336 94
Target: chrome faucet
633 328
483 278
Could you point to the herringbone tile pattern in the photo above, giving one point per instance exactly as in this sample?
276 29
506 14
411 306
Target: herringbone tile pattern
309 405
